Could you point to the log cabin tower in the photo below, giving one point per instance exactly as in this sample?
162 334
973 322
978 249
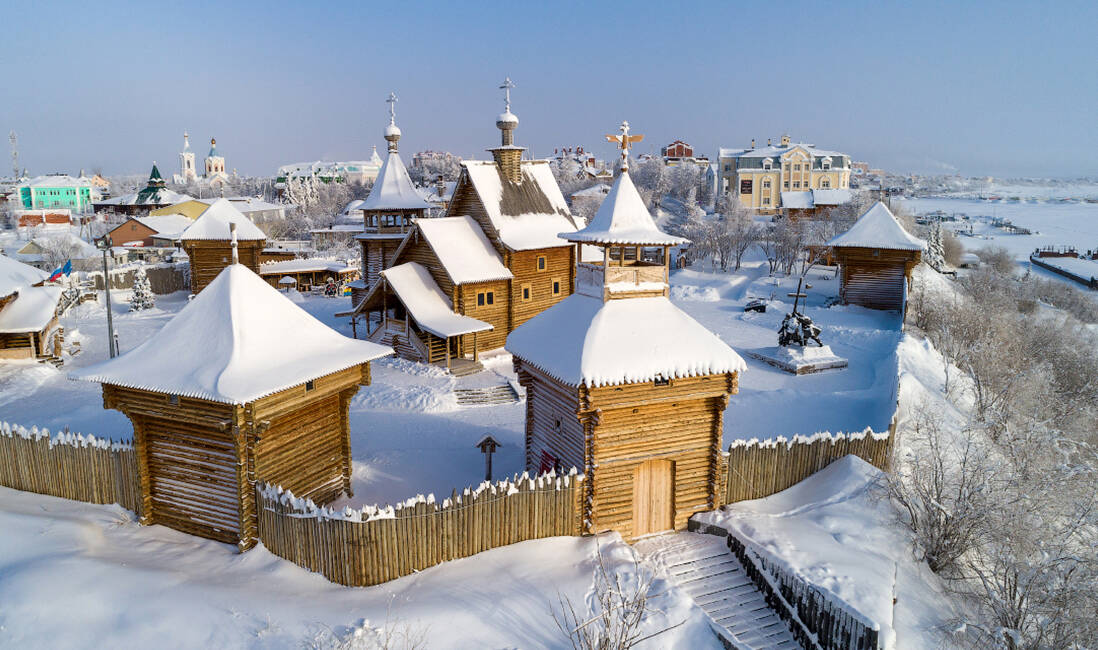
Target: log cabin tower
388 212
622 383
876 258
508 157
220 400
208 242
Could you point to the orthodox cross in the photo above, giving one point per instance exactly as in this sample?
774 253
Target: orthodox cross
506 88
798 295
625 141
391 101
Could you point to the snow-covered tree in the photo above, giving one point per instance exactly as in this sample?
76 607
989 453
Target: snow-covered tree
935 251
142 297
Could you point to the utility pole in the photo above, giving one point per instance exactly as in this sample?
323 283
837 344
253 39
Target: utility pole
14 155
104 244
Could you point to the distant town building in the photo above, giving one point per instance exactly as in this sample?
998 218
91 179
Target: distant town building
257 210
215 165
680 153
56 191
187 172
154 195
859 167
351 171
759 175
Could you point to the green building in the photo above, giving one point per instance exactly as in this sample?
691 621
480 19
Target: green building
58 191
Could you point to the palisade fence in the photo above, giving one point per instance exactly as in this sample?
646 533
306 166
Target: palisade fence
69 465
758 468
375 544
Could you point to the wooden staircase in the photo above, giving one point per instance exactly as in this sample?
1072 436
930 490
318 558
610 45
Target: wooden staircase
502 394
703 567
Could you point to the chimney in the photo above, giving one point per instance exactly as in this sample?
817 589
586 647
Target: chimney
752 143
785 140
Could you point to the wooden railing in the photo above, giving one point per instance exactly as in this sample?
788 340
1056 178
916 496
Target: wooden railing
69 465
377 544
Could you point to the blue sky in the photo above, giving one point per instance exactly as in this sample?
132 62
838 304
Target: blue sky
979 88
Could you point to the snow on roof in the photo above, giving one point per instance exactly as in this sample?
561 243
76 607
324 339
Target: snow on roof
77 248
340 227
393 188
774 151
623 219
31 310
463 249
877 228
526 215
161 196
61 180
583 340
427 304
230 345
166 224
832 196
353 205
246 204
214 222
14 275
797 200
303 266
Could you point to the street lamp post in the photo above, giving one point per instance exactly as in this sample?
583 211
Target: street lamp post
104 244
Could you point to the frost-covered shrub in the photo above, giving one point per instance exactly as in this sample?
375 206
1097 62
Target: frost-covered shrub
142 297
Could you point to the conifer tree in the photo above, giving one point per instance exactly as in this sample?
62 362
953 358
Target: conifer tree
142 297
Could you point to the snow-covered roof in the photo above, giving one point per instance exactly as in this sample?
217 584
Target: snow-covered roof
877 228
623 219
246 204
166 225
161 196
77 248
583 340
304 266
31 310
775 151
393 189
340 227
14 275
427 304
525 215
214 222
797 200
230 344
353 205
463 249
832 196
56 181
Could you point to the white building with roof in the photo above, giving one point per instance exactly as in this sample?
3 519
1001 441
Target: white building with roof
758 176
28 313
346 171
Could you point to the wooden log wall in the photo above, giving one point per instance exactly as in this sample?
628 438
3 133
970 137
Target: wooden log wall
209 257
559 266
757 469
162 279
375 545
497 313
69 465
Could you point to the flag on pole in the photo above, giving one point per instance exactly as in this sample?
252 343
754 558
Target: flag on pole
65 269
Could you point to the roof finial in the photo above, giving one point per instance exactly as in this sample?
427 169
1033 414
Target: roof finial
624 141
392 100
506 87
232 234
392 132
186 141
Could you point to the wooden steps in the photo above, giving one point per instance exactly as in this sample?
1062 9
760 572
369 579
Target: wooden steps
704 568
460 367
502 394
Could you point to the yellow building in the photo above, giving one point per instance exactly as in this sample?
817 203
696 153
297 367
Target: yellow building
760 175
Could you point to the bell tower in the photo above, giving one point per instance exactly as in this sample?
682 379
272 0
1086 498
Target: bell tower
508 157
186 161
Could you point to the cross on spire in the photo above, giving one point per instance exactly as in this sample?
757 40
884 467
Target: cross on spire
625 142
391 101
506 88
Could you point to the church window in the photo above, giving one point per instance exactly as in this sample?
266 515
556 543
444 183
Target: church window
526 292
556 286
485 298
541 262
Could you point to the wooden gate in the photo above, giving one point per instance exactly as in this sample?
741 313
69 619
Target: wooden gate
192 480
874 286
653 497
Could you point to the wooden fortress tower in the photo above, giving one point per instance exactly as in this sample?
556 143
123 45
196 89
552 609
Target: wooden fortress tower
876 257
219 399
622 383
208 242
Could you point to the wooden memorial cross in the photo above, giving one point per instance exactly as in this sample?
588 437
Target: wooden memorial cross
487 446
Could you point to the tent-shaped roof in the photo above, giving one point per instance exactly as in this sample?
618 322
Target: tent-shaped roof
463 249
14 275
583 340
623 219
393 189
877 228
427 304
214 222
30 311
232 344
525 215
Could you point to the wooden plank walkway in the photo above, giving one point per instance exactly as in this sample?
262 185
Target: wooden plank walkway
501 394
703 567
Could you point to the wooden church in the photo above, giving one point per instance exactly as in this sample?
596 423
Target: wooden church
457 285
219 401
387 212
622 383
876 258
208 242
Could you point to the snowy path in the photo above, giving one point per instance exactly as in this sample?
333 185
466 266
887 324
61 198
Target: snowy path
703 567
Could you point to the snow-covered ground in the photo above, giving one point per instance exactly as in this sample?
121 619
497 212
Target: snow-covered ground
75 575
